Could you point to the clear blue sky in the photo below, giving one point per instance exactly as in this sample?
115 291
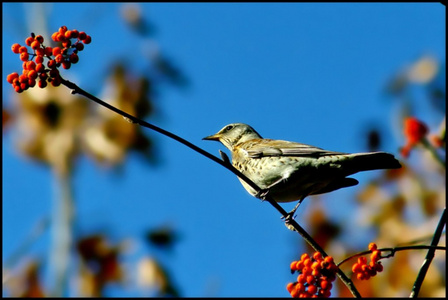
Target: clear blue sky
311 73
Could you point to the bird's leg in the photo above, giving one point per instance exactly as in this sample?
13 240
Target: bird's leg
290 215
264 192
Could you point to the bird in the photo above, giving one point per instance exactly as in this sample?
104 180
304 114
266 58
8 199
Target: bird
289 171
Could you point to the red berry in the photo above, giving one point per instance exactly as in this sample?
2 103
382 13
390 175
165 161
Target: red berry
289 287
312 289
56 51
40 39
24 56
55 36
10 78
66 64
15 48
40 67
18 89
87 40
31 82
59 58
40 52
82 35
29 40
62 29
51 64
372 246
79 46
42 84
35 45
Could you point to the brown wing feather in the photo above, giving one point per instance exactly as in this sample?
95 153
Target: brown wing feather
267 147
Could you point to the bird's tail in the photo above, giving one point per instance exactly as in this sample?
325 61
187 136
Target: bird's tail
373 161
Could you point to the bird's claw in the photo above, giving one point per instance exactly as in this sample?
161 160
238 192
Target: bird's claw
262 194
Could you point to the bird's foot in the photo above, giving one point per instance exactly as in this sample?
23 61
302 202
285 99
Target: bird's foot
262 194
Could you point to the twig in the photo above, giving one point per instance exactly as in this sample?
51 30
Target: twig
224 162
392 251
429 256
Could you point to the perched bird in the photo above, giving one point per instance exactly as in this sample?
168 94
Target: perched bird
290 171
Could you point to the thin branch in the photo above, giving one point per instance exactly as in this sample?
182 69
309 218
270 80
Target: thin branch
392 251
225 163
429 256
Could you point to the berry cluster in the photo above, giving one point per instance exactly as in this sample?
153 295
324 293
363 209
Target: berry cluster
315 278
363 270
71 42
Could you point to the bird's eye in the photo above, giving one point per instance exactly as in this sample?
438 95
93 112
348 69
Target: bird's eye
229 127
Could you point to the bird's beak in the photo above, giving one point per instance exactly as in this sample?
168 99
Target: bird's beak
214 137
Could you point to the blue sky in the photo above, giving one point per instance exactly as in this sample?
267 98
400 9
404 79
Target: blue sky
311 73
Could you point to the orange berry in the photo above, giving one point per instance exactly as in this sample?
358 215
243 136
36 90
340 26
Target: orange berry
326 285
375 256
304 256
68 34
87 40
48 51
66 44
55 36
316 272
40 52
39 38
312 289
329 259
31 82
372 246
32 74
39 59
62 29
306 271
299 265
24 85
310 279
301 278
10 78
356 268
23 49
15 48
40 67
35 45
293 266
289 287
30 65
29 40
51 64
317 256
66 64
362 260
42 84
360 276
59 58
307 262
18 89
56 51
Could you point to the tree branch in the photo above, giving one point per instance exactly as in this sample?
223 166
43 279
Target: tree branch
225 163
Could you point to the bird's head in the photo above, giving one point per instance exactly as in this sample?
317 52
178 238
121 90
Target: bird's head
233 134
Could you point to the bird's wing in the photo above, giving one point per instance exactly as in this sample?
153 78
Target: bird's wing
267 147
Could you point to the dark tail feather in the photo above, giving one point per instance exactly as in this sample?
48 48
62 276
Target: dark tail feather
373 161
